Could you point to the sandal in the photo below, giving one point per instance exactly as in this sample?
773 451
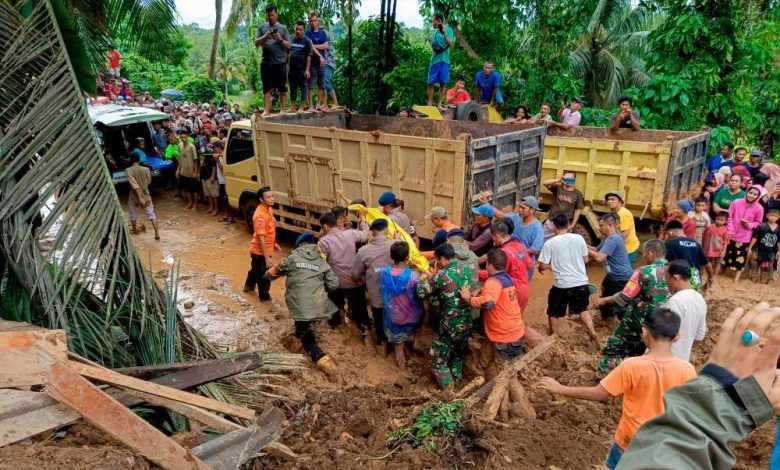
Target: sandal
228 222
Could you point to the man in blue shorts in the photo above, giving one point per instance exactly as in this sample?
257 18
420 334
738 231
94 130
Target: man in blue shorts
319 38
488 87
439 70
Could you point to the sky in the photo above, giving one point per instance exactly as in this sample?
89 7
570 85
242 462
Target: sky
202 11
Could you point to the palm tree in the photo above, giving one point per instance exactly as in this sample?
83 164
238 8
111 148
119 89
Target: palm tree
215 38
609 54
227 66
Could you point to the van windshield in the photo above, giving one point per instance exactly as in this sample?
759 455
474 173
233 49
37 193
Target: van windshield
239 147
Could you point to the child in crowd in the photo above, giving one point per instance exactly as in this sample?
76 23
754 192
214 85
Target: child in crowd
765 240
642 380
402 307
715 239
502 316
701 218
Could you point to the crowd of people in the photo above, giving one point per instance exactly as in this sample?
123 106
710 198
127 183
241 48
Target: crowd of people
475 283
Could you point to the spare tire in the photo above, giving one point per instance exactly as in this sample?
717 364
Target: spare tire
469 111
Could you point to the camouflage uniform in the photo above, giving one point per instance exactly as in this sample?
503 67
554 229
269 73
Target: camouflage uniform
644 291
456 323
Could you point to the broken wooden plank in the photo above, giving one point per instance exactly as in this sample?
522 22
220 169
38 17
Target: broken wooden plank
232 450
193 412
123 381
24 414
71 389
507 372
18 362
156 370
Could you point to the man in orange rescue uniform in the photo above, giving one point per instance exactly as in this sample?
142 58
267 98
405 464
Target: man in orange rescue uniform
263 244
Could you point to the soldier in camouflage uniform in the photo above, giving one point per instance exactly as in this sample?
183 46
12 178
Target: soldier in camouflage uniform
644 291
456 323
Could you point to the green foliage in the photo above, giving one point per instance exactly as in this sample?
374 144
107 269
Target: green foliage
152 76
438 420
200 89
595 117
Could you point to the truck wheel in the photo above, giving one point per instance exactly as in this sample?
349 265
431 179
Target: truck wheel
581 229
468 111
248 211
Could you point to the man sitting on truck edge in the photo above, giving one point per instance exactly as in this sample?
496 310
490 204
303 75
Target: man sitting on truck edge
570 116
626 118
543 114
439 68
567 200
614 201
274 39
458 94
489 86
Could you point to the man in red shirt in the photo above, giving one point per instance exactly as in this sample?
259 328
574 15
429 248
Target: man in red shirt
458 94
518 260
113 61
262 245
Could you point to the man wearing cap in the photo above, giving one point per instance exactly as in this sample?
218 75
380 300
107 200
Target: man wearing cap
388 204
567 200
527 228
439 219
718 161
370 259
457 238
263 244
570 117
478 237
614 201
309 279
274 39
754 165
338 245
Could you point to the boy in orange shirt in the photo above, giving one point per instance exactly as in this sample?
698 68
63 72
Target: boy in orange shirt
642 380
502 317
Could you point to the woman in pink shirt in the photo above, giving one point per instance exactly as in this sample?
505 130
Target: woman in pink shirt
745 215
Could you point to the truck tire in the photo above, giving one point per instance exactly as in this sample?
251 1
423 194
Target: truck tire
248 210
582 229
468 111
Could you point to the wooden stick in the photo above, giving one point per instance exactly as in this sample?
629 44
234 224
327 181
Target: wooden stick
493 402
192 412
470 387
117 379
73 390
507 372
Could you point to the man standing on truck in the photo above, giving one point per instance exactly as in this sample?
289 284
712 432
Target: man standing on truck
299 72
626 118
489 87
567 200
263 244
321 42
274 38
612 253
614 201
570 116
439 68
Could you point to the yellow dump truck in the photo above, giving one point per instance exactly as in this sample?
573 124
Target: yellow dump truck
306 158
651 168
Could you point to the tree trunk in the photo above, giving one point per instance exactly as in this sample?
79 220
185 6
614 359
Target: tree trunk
350 74
215 39
463 43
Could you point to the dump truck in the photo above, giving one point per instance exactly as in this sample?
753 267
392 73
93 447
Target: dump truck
651 168
305 158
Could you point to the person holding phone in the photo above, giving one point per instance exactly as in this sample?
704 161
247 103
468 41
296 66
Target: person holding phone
439 68
626 118
274 39
569 114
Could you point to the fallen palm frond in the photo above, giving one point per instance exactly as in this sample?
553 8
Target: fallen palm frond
66 256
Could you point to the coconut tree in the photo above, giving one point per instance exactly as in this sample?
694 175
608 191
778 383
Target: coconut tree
609 55
227 65
215 38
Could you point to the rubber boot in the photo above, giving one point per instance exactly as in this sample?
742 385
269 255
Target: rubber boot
327 365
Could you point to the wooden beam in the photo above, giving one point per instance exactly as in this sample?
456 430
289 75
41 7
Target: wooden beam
232 450
18 361
193 412
69 388
24 414
114 378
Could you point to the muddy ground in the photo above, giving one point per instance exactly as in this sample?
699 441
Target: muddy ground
345 423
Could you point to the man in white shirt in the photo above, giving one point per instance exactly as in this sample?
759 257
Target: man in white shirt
689 305
570 117
566 254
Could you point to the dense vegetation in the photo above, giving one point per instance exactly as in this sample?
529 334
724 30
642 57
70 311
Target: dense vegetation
686 64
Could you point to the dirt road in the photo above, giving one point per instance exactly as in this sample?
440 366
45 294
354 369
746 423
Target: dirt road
370 397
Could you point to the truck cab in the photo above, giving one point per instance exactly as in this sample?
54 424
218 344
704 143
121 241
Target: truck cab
240 170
